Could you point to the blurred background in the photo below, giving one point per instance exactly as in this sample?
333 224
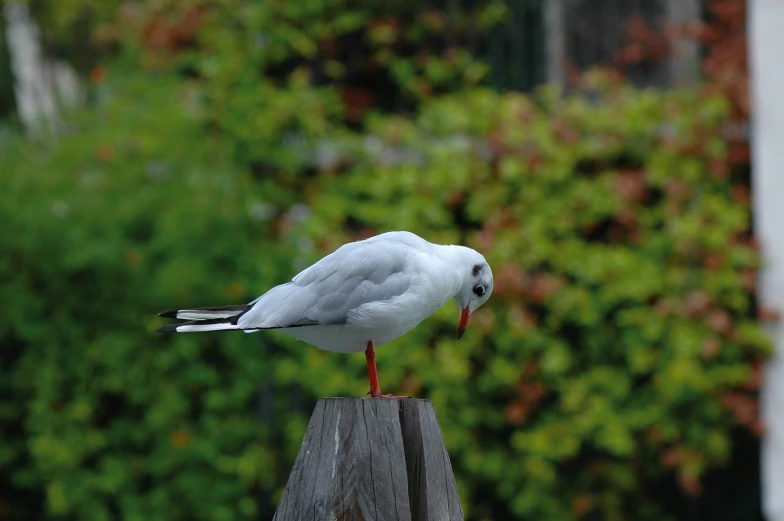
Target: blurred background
156 154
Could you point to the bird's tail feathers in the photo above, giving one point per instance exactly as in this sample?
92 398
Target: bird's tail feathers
206 313
204 319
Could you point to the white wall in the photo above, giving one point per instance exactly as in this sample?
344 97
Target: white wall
766 40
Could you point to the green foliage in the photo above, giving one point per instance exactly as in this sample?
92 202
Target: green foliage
617 353
621 324
388 57
618 329
133 211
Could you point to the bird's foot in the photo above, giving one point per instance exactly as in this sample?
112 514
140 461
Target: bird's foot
377 394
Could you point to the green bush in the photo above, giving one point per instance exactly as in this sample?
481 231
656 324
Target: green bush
619 336
132 211
620 342
618 352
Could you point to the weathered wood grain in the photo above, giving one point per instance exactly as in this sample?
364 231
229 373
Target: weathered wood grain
432 490
351 466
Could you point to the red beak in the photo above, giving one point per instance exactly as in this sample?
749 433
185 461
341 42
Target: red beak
463 322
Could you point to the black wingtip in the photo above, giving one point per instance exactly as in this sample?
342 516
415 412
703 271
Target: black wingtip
171 328
169 314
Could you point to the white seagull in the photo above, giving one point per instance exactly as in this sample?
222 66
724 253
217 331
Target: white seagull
364 294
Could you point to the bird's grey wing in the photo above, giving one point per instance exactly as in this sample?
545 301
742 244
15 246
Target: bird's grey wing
355 274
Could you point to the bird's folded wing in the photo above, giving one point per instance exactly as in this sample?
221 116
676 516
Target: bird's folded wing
325 293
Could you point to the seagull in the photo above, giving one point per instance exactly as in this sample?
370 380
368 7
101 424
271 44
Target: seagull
364 294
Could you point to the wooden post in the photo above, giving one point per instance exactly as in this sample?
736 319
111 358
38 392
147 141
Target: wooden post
371 459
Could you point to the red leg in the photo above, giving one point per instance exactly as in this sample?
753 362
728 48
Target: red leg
370 356
375 389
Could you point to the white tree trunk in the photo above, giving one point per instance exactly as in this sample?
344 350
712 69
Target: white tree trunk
41 86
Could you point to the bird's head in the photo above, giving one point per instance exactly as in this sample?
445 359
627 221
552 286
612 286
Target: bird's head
476 289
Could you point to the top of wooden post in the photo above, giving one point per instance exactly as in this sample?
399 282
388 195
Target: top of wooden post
371 459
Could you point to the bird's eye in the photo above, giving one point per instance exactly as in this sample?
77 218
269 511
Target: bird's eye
479 290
